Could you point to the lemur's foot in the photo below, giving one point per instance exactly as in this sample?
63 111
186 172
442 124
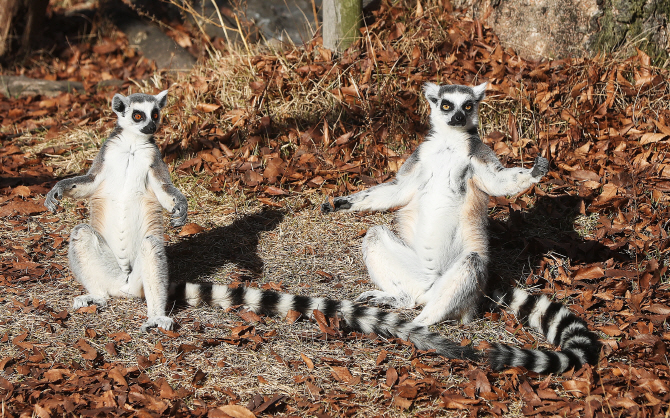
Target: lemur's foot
86 300
379 298
158 322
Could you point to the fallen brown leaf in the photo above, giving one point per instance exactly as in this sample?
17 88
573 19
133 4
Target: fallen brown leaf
190 229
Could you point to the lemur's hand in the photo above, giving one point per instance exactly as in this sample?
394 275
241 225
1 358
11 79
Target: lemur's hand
540 168
179 213
326 207
54 195
339 203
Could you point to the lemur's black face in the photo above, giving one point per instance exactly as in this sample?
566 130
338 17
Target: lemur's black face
147 124
139 113
457 114
454 106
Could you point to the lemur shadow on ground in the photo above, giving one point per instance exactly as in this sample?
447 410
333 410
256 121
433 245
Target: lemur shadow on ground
9 181
196 258
517 245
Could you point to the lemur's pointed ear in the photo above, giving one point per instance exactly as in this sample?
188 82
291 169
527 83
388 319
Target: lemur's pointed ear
162 98
480 91
120 104
432 92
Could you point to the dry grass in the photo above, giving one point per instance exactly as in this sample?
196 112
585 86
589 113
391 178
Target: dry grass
84 143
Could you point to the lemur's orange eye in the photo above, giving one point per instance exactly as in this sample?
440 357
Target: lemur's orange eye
446 107
468 107
154 115
137 117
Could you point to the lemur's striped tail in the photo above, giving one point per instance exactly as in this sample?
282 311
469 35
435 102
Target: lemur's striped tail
558 324
360 318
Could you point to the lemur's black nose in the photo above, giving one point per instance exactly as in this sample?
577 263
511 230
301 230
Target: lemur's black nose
458 119
149 128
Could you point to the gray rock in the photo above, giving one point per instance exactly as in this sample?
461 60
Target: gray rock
154 44
17 86
538 29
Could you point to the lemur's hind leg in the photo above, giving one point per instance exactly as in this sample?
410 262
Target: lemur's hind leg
150 277
94 266
457 293
392 266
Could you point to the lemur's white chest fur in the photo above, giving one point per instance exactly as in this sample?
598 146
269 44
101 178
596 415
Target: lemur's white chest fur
430 215
132 208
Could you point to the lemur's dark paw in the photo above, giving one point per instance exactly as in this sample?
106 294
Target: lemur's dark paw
178 220
176 223
339 203
541 167
326 207
52 198
179 214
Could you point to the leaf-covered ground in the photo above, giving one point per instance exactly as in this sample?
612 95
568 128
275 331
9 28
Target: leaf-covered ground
257 141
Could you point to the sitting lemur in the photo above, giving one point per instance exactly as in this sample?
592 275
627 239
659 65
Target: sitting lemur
439 260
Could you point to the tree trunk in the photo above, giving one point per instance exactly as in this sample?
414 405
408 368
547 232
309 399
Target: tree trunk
640 23
8 9
20 22
341 21
576 28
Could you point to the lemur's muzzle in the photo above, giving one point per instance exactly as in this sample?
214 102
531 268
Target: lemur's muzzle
458 119
149 128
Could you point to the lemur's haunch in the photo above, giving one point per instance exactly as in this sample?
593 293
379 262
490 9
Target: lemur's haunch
440 259
120 251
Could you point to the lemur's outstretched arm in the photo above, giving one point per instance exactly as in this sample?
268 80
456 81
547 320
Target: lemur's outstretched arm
168 195
79 187
496 180
397 192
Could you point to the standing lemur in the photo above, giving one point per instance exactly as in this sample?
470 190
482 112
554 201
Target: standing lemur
440 258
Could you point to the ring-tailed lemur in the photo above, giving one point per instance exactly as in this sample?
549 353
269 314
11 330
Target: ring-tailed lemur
440 259
120 251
